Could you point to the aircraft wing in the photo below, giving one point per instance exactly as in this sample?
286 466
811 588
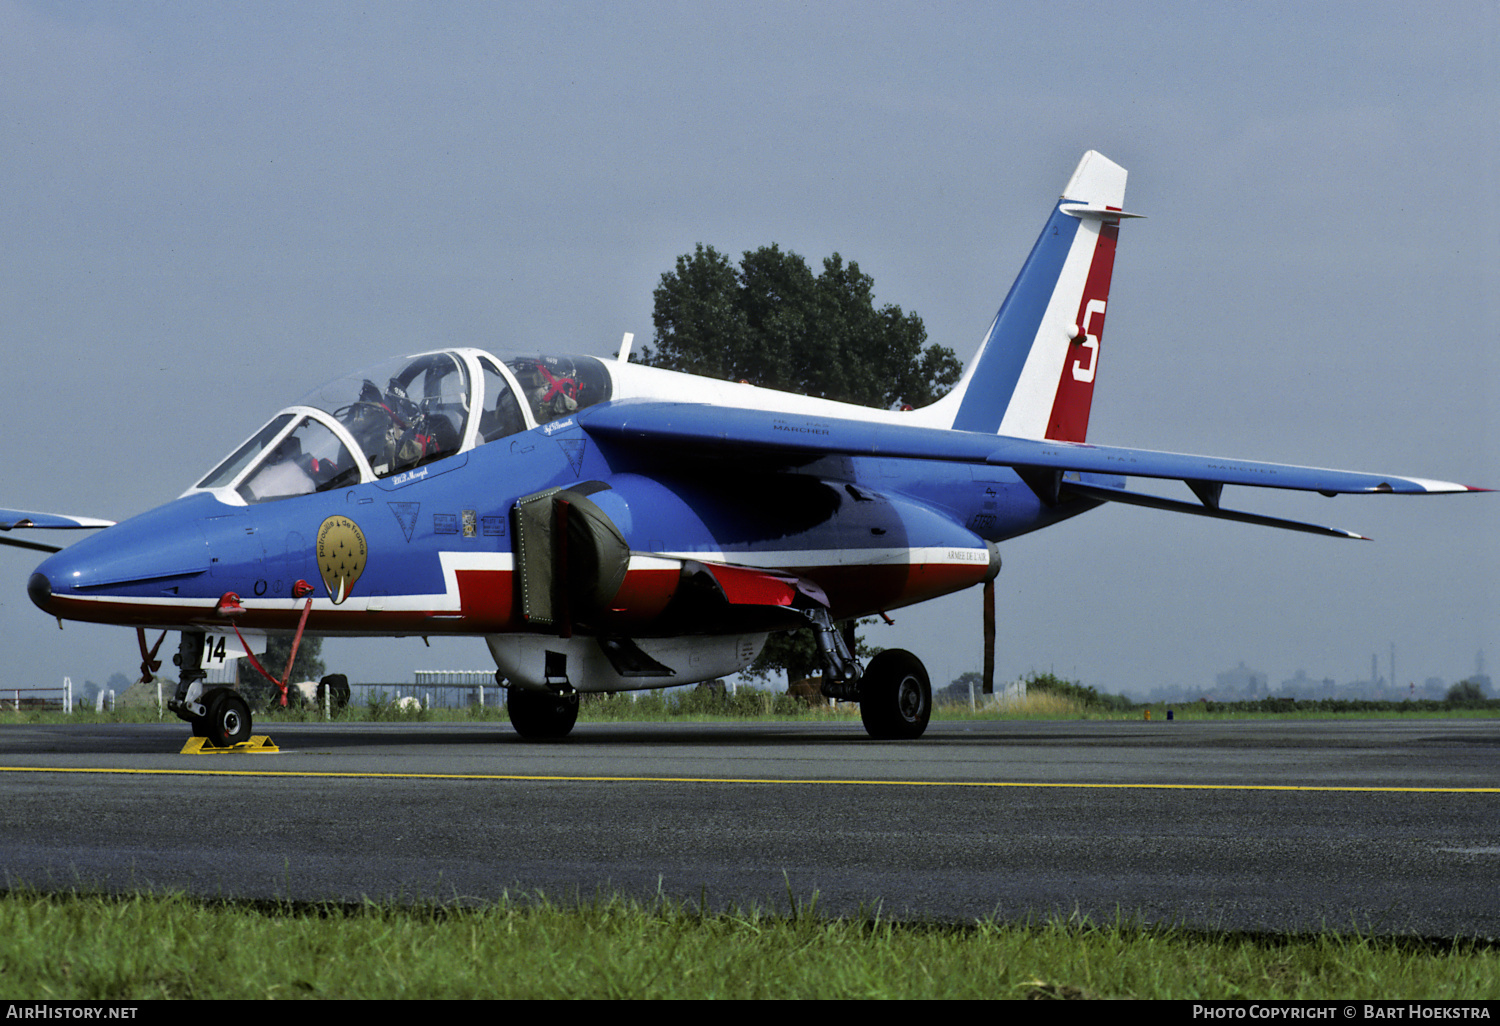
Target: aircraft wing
14 519
1048 467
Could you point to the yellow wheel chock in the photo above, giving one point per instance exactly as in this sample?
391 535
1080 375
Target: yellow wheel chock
258 744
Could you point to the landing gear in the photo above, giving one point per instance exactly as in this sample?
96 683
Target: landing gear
228 719
895 696
538 716
893 692
188 701
219 714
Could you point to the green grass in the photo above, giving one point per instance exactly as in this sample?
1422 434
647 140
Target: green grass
66 946
756 704
136 947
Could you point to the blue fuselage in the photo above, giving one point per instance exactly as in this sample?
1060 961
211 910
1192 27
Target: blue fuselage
430 551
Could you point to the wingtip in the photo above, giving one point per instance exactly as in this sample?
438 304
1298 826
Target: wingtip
1451 487
1425 486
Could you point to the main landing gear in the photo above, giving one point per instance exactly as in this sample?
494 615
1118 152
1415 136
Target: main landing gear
893 692
895 700
540 716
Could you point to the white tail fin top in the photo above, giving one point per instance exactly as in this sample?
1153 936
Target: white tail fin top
1033 376
1097 182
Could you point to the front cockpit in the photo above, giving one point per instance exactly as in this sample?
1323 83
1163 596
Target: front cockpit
401 414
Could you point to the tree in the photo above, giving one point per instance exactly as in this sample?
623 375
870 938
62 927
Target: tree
1466 692
308 666
970 681
771 322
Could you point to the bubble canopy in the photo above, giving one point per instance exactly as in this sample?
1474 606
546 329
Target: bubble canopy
400 414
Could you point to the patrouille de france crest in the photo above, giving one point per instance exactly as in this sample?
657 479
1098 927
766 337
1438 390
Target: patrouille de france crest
341 556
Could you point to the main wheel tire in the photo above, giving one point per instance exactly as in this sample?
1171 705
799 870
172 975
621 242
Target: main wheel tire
228 722
539 717
895 696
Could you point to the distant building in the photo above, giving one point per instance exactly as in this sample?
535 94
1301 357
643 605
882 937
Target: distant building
1435 688
1304 687
1240 682
1479 676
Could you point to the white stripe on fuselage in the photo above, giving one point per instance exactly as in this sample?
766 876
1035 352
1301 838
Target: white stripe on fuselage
452 561
811 559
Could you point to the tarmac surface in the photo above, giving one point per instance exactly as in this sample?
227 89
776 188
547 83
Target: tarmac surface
1387 827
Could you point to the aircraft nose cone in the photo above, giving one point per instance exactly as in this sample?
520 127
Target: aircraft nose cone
125 573
40 590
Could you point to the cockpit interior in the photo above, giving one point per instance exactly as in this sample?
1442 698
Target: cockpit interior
401 414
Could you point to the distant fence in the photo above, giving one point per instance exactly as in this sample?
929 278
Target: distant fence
438 689
455 678
59 697
1006 694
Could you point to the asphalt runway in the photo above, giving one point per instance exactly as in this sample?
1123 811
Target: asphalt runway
1383 826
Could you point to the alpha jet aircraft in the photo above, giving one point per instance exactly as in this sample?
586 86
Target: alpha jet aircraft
606 526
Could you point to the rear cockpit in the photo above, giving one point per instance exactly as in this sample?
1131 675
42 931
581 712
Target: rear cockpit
401 414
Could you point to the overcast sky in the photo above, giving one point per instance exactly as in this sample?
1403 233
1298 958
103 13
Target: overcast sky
209 208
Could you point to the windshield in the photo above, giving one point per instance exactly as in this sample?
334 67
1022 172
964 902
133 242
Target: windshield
399 414
311 458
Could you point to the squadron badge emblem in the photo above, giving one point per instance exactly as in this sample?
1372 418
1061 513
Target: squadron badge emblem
341 556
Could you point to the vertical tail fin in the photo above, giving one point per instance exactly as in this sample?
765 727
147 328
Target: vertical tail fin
1034 375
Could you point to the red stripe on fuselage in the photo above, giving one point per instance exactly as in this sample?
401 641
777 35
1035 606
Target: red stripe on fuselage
865 590
487 598
643 595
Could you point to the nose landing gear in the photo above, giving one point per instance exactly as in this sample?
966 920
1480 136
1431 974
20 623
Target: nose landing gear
219 716
228 721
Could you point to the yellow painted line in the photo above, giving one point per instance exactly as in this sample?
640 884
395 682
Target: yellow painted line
733 780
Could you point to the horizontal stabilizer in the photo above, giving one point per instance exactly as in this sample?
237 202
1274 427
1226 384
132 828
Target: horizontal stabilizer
20 518
1096 212
33 546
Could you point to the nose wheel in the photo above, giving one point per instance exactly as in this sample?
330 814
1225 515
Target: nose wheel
218 715
227 722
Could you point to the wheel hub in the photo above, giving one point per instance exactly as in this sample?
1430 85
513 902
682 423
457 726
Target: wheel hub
909 698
